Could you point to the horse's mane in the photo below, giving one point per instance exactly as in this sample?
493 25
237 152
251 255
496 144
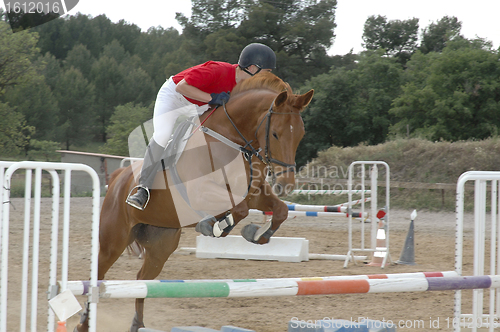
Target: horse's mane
263 80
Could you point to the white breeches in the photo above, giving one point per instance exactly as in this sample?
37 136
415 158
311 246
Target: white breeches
169 106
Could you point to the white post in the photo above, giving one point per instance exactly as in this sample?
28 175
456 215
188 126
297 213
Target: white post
373 196
481 179
363 205
493 254
26 248
53 246
51 168
374 206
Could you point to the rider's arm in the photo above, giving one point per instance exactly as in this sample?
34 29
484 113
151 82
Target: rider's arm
192 92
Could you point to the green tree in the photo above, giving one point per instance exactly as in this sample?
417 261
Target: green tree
118 84
351 106
44 150
107 78
137 87
80 58
54 38
154 46
123 121
115 50
76 116
21 21
457 98
15 134
224 45
398 38
436 35
300 32
48 66
208 16
38 105
17 51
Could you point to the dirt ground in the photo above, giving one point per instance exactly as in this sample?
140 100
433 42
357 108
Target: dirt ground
423 311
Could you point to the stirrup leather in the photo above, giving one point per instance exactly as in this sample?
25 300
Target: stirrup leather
147 201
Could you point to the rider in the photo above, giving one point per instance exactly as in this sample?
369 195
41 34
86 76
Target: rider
197 87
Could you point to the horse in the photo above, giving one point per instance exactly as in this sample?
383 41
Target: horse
263 120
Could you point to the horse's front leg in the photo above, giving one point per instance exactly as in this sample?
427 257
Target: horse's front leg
265 201
239 212
223 224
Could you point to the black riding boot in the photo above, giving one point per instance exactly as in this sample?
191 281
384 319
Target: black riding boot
150 167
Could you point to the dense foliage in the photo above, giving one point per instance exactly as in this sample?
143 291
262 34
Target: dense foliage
82 79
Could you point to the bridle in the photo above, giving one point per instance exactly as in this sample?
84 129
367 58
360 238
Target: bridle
248 150
269 160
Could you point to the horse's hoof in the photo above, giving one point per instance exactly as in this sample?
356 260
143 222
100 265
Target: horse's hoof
257 234
136 325
206 227
80 328
249 231
209 226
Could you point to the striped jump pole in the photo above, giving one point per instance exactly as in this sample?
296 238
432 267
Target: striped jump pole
324 208
286 287
313 214
82 287
328 192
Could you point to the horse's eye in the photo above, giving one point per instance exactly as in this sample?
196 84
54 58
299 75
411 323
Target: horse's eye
275 135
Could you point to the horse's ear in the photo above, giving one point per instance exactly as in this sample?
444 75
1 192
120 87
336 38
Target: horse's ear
281 99
303 100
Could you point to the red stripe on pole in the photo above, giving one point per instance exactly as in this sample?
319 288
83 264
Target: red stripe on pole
333 287
378 276
433 274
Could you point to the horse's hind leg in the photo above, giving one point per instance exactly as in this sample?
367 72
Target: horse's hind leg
159 243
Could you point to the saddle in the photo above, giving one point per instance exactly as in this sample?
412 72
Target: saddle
173 152
177 144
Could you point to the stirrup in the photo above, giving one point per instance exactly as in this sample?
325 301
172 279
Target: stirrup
130 193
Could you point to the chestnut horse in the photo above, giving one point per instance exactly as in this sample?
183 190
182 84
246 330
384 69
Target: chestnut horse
263 118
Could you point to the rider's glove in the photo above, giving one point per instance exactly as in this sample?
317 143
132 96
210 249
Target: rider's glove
219 98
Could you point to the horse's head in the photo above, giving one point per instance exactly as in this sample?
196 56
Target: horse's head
279 136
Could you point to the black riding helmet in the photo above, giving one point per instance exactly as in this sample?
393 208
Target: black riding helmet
257 54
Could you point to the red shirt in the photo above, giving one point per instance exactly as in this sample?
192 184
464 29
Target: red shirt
209 77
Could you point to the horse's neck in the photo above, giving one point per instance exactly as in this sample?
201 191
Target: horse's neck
246 114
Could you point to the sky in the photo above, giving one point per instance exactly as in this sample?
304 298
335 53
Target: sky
479 18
